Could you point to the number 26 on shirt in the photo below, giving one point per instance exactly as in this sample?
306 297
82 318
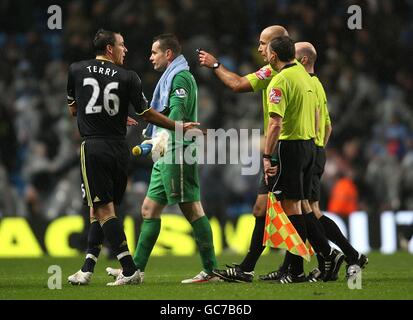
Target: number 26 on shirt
107 96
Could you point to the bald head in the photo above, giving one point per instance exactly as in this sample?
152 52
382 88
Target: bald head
306 54
267 35
275 32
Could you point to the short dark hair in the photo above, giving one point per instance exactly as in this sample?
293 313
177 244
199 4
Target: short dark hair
169 41
284 47
102 39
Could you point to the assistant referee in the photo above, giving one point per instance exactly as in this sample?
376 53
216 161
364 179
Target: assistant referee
292 129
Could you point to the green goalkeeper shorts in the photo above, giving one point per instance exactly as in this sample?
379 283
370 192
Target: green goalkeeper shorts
174 183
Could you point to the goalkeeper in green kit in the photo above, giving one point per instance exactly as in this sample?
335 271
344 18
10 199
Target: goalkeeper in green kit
173 182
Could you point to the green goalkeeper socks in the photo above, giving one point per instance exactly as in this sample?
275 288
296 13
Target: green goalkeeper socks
150 230
204 241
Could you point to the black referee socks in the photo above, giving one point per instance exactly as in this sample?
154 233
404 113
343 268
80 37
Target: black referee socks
334 234
297 264
316 235
256 247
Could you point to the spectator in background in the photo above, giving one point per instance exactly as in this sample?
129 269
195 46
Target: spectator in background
344 197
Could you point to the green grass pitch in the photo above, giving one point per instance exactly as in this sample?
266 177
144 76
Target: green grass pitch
386 277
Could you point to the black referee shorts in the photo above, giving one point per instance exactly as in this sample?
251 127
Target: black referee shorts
320 162
104 165
294 178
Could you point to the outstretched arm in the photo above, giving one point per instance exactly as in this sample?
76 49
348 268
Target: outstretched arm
232 80
158 119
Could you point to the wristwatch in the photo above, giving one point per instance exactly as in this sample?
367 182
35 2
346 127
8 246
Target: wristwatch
216 65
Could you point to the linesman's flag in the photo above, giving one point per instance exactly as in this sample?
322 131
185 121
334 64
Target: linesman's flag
280 233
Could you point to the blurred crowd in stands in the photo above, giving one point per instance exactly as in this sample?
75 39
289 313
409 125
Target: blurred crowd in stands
368 76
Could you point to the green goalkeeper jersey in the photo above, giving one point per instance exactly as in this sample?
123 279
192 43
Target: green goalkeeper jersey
183 104
177 181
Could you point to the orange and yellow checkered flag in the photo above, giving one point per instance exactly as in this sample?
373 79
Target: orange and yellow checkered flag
280 233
